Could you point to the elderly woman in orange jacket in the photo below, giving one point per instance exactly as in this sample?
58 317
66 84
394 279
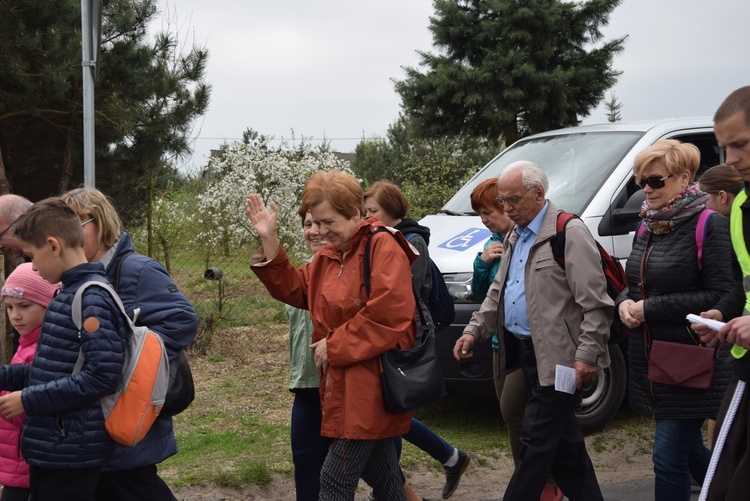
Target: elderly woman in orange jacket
351 329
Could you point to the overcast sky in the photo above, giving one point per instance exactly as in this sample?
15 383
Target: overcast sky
324 68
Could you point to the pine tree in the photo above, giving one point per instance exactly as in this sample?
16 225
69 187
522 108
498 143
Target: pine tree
509 68
613 108
148 94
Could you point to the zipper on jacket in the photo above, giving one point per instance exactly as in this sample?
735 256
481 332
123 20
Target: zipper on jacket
646 350
341 270
60 425
642 284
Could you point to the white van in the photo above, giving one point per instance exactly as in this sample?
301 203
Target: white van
590 171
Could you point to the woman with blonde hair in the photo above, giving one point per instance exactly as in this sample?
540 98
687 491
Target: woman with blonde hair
666 281
142 283
350 328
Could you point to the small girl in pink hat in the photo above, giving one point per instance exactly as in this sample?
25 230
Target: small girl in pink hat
26 296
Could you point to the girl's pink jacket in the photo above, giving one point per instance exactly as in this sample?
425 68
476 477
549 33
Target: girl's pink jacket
14 472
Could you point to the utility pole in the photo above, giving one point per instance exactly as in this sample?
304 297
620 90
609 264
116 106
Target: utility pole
91 21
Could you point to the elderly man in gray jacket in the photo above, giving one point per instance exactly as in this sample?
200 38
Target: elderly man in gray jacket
554 323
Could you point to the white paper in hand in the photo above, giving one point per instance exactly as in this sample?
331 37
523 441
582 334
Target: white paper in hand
565 379
697 319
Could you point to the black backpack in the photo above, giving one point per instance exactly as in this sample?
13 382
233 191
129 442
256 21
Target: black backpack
439 303
616 281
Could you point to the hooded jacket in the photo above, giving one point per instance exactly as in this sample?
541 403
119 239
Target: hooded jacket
421 269
357 328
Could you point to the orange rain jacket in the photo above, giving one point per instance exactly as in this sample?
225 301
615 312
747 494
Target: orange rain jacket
357 328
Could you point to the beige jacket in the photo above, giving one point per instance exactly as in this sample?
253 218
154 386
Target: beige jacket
569 310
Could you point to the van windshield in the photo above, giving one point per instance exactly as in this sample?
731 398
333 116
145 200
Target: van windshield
576 165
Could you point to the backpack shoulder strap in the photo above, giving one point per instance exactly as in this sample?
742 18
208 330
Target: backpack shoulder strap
700 233
639 231
558 241
366 260
77 314
118 267
366 267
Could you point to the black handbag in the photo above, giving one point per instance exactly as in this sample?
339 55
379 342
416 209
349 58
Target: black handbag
181 392
409 378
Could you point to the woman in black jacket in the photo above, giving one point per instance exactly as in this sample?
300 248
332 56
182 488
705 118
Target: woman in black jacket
666 281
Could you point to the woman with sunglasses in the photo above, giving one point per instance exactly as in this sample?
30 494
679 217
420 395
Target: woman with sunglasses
666 281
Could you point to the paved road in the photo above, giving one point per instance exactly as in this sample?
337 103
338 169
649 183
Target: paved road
641 489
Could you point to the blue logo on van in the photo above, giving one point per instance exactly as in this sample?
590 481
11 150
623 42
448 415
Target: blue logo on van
466 239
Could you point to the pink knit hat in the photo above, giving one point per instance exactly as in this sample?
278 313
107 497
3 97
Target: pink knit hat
25 283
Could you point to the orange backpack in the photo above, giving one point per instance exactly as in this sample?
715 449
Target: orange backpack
130 411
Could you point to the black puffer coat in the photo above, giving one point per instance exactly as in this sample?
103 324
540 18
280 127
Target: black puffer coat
675 287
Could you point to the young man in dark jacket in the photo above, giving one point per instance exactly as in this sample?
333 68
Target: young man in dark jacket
64 439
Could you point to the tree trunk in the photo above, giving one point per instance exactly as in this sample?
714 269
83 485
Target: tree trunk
67 165
6 347
4 184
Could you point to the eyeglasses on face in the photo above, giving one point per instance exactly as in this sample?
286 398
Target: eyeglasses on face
655 181
512 200
84 223
2 233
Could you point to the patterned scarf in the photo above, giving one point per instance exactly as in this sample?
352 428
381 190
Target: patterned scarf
684 206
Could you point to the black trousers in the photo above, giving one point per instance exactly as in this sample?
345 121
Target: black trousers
15 494
142 484
53 484
551 441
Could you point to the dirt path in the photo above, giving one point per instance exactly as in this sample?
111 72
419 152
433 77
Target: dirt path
618 457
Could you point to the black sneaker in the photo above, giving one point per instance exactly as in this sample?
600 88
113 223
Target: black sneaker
453 474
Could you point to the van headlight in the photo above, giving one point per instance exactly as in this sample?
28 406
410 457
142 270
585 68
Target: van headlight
459 286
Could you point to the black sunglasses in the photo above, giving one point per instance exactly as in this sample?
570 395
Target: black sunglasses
655 181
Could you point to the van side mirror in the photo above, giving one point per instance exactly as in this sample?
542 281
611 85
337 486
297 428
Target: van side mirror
631 211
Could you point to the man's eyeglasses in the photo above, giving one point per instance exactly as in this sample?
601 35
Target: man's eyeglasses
84 223
512 200
655 181
2 233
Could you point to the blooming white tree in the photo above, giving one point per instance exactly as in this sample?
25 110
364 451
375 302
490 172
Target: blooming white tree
277 175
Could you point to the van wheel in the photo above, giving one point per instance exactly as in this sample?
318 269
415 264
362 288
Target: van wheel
601 400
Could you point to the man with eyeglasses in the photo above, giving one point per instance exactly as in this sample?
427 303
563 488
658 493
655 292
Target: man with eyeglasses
554 323
727 477
11 206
